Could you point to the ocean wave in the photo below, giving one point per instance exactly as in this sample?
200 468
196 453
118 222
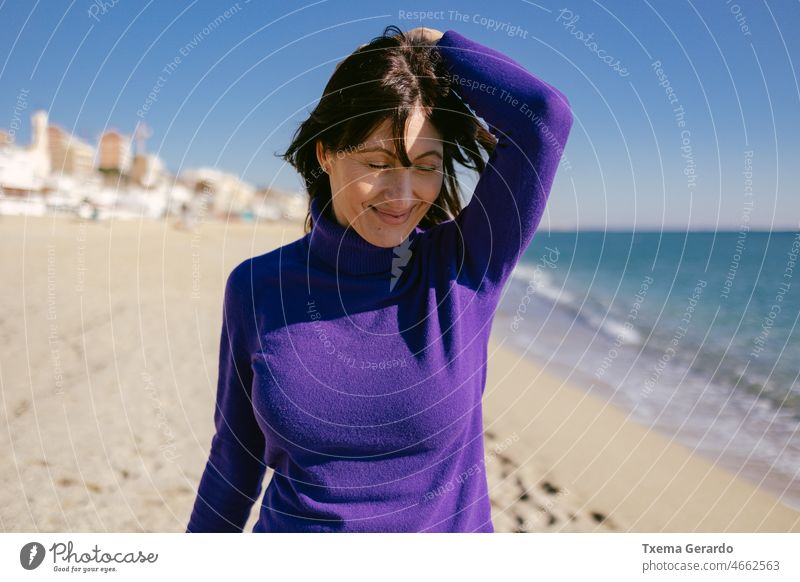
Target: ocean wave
593 313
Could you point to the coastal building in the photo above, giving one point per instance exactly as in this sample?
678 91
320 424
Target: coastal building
68 154
227 194
147 170
114 152
25 169
276 204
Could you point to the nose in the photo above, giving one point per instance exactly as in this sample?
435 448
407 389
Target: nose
401 192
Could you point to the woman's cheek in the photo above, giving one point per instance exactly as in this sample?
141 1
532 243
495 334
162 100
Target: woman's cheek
429 185
367 182
365 175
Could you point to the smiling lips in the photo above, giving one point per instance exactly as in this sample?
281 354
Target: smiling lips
391 218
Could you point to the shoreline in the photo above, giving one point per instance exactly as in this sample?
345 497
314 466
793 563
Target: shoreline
110 345
645 481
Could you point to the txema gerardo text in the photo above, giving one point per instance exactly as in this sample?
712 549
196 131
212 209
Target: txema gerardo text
688 549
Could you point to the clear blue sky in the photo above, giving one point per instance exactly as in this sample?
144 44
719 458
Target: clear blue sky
237 95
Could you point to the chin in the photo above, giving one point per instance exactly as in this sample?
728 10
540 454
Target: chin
385 235
386 239
388 236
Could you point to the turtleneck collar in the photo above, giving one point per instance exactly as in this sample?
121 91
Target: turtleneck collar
345 251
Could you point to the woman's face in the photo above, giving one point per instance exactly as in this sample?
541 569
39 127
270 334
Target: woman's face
377 196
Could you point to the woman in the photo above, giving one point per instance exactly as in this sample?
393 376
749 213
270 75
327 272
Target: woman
353 360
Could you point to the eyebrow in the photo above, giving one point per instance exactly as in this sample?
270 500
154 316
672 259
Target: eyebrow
379 149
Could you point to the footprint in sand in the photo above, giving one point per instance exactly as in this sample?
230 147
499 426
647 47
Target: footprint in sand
21 408
67 482
526 503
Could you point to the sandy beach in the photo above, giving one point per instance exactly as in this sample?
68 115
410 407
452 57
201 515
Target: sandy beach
110 337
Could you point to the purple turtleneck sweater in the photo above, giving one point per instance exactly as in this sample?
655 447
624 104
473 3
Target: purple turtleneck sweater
356 372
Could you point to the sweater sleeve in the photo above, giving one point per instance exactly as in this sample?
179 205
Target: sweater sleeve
233 475
531 121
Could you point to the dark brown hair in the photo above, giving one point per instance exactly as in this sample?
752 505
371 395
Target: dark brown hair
386 79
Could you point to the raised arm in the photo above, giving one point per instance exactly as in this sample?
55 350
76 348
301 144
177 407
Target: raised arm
531 120
234 473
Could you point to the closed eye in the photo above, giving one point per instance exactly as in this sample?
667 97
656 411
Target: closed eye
421 168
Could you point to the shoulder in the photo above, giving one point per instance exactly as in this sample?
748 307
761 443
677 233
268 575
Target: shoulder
253 287
258 274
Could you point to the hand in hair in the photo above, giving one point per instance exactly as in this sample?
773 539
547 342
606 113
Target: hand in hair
430 35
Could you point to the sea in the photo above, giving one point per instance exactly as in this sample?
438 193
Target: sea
694 334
